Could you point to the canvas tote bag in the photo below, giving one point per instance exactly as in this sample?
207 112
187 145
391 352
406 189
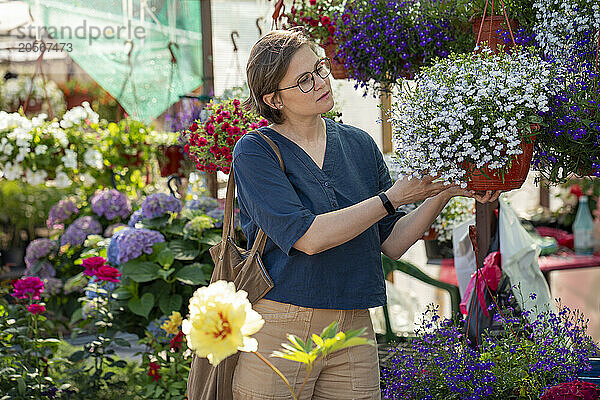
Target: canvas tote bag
246 270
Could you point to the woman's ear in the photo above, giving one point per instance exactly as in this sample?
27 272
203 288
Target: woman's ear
273 101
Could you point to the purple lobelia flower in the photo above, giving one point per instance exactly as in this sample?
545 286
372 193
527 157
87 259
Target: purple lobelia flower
130 243
38 249
79 230
111 203
60 212
158 204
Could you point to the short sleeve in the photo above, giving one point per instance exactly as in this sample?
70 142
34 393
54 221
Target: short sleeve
267 194
386 224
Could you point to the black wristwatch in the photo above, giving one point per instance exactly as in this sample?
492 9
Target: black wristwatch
387 203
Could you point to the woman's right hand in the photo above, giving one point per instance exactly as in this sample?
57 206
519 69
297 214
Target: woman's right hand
405 191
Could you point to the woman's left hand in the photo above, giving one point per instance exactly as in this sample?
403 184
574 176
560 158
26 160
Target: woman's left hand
488 196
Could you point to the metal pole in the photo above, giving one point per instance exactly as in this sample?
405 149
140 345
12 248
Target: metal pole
208 80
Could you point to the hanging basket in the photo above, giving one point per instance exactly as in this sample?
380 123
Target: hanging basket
77 99
170 160
338 71
486 179
489 31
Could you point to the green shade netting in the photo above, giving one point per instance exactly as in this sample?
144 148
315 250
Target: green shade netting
146 81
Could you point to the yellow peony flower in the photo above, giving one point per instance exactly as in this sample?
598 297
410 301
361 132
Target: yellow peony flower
171 325
220 322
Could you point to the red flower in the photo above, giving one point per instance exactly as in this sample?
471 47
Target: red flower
331 29
219 119
153 372
229 158
226 114
225 151
176 341
202 141
30 287
91 265
186 148
108 274
263 122
325 20
36 308
194 127
236 102
225 126
209 128
576 190
253 125
225 170
313 2
572 390
313 22
230 141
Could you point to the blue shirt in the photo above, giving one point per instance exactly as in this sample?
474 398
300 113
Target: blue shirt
284 205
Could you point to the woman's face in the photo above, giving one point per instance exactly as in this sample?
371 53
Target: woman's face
317 101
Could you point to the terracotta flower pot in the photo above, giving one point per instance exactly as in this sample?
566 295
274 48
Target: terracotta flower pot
76 99
493 24
170 160
486 179
33 106
338 71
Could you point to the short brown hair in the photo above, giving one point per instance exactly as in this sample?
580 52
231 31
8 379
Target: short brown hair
268 62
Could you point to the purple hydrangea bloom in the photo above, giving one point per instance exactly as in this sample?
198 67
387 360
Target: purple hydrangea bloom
46 270
112 254
219 215
60 212
111 204
203 204
79 230
132 242
158 204
37 249
135 218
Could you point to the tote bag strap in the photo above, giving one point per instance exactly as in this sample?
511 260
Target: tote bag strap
228 220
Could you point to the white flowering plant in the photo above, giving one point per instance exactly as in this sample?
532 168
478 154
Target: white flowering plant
15 91
468 112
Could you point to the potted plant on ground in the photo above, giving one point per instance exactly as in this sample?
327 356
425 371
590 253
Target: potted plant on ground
319 21
471 119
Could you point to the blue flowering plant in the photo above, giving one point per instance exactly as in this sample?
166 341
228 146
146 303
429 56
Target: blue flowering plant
567 35
382 41
163 256
519 362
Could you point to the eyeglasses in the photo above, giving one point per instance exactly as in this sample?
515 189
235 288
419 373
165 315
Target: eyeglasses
306 81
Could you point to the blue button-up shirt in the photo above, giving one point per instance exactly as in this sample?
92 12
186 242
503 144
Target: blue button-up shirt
284 205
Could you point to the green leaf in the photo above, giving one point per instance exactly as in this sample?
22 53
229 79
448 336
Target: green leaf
122 342
122 293
184 249
210 238
330 330
77 356
142 306
158 247
140 271
192 274
165 274
175 228
169 303
21 385
166 257
77 315
121 363
155 223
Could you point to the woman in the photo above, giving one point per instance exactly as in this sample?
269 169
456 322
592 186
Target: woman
326 221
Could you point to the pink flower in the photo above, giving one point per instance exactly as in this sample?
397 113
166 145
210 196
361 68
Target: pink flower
30 287
91 265
36 308
263 122
236 102
108 274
